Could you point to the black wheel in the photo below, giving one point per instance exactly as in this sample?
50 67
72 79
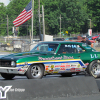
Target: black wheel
93 69
35 71
66 74
7 76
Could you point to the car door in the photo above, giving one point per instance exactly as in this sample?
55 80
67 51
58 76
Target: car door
69 59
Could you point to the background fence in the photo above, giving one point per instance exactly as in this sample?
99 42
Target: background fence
23 43
22 47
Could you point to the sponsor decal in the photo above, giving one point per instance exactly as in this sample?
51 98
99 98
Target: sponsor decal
57 65
93 56
50 71
55 58
68 57
52 66
72 69
68 69
84 67
23 70
57 69
62 68
78 65
77 69
73 65
55 72
65 65
46 67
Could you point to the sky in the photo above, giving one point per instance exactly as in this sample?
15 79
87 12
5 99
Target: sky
6 2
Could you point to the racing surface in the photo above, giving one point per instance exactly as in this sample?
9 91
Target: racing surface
54 87
91 93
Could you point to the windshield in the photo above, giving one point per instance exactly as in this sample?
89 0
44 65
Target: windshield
45 48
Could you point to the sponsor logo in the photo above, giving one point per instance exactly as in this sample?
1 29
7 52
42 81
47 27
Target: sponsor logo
62 68
68 69
55 72
57 65
55 58
23 70
57 69
72 69
93 56
78 65
52 66
77 69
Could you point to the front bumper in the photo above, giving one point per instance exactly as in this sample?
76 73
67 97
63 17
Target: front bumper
13 70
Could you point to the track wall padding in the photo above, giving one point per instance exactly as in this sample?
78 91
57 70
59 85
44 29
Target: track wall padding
30 89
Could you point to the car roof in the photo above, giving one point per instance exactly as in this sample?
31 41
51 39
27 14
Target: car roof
61 42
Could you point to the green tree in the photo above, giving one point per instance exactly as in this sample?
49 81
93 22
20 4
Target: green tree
73 14
94 13
3 19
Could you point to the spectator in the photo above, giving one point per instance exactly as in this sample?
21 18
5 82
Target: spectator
84 40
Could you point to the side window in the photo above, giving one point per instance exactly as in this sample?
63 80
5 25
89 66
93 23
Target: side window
80 49
43 47
68 48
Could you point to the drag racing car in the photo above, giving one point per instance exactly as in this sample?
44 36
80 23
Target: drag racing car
53 57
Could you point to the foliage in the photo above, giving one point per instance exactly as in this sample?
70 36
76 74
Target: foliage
74 16
3 19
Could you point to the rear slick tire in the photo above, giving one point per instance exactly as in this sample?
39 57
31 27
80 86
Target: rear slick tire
93 69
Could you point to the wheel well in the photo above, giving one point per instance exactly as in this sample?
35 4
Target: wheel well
37 64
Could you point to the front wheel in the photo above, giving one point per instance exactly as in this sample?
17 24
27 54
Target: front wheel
94 69
7 76
35 71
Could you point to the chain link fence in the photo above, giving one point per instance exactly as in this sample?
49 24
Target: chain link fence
23 43
24 47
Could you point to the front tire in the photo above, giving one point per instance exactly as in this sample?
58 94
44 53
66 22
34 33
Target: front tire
93 69
35 71
7 76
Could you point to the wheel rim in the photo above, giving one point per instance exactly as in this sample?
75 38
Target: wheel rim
96 68
35 71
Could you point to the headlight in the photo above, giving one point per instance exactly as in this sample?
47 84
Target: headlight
13 64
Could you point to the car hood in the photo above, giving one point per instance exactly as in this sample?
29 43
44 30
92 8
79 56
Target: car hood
16 56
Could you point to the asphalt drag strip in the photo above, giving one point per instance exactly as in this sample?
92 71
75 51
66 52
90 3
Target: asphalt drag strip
70 88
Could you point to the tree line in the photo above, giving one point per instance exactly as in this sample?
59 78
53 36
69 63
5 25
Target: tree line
75 16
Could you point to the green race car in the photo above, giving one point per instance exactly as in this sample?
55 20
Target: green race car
56 57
